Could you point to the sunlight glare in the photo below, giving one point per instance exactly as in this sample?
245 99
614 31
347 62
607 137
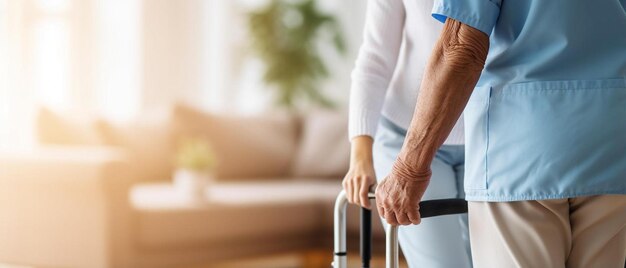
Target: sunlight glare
52 61
54 5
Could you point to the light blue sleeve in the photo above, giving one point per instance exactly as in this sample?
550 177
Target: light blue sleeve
479 14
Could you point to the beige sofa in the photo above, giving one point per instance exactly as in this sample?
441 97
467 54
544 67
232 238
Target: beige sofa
97 194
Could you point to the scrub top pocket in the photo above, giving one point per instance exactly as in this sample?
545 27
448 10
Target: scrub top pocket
546 140
477 126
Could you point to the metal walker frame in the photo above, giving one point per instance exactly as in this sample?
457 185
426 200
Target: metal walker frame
431 208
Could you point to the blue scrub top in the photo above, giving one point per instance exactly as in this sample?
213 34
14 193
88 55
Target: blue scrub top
547 119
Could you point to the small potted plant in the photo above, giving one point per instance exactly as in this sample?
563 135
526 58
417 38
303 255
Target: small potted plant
195 162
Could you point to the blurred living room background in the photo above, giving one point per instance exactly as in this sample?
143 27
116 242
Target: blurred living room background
174 133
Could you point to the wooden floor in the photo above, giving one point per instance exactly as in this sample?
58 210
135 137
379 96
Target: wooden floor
2 265
307 259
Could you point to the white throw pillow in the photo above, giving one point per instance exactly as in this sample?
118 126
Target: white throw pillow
324 149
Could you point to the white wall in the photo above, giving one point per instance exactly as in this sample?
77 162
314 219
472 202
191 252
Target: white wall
352 16
174 52
117 53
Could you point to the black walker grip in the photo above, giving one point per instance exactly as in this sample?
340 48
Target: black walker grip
441 207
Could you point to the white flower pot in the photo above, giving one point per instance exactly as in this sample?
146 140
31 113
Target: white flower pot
192 184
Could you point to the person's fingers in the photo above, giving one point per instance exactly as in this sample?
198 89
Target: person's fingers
380 201
391 218
402 218
372 188
347 186
365 201
380 208
414 216
355 191
377 194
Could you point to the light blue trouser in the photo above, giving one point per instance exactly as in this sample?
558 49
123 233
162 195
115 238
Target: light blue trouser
440 241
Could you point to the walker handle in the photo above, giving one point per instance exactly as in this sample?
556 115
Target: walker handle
430 208
441 207
438 207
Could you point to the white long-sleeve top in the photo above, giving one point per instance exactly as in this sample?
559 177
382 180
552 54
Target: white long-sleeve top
399 36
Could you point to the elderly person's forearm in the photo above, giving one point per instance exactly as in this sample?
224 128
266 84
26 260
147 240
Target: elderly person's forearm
451 74
450 77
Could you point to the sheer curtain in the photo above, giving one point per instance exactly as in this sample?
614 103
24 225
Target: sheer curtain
117 59
14 96
4 81
75 56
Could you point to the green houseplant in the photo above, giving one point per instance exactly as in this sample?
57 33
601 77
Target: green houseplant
286 36
195 161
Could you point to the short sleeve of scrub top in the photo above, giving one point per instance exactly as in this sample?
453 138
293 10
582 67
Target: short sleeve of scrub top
479 14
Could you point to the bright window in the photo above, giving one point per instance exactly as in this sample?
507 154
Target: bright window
51 40
4 75
78 56
52 61
3 49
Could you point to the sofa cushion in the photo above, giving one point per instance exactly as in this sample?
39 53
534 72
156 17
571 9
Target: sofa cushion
272 209
245 146
324 150
233 211
55 128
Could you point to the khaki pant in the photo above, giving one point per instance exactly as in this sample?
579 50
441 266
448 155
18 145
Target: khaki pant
585 232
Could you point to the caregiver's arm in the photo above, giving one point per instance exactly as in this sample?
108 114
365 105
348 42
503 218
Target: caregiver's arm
450 77
373 71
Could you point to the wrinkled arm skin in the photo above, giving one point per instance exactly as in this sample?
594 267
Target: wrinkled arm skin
450 77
